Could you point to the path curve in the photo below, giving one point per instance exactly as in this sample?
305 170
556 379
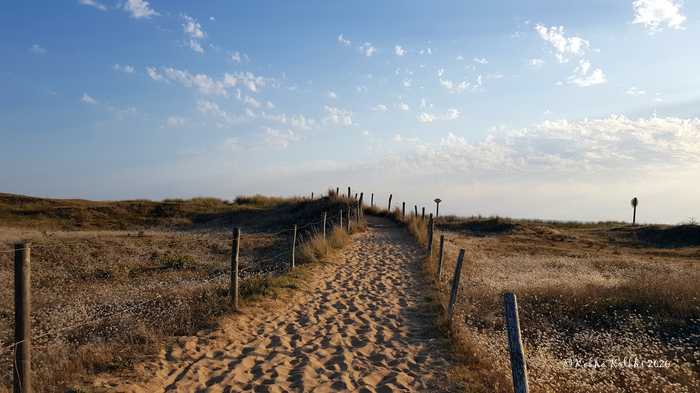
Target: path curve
365 325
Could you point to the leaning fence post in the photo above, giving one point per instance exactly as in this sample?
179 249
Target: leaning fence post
455 285
403 210
515 343
431 229
23 330
294 244
324 225
441 257
233 282
389 209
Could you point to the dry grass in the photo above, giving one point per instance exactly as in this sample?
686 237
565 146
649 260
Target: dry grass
129 290
582 294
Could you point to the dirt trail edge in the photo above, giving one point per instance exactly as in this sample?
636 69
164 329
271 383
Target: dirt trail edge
365 325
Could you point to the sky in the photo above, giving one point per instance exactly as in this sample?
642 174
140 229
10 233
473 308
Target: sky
522 108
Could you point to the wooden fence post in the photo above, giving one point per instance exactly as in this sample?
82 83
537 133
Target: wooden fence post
441 257
455 285
349 217
355 196
324 225
371 201
23 329
362 197
312 195
233 282
349 192
422 216
431 229
403 210
294 245
515 343
415 207
340 217
389 208
337 192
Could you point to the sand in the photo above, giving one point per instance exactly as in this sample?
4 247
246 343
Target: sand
364 324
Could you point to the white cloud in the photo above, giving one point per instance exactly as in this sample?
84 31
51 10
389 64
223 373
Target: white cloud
202 82
407 83
139 9
153 73
175 122
367 49
404 107
399 51
361 89
238 57
252 102
192 28
564 46
634 91
585 76
380 108
332 95
280 138
344 41
459 58
654 14
86 99
426 51
338 116
213 110
93 3
481 60
535 63
37 49
450 114
124 68
249 80
459 87
195 46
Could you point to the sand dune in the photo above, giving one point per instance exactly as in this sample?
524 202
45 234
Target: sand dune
364 325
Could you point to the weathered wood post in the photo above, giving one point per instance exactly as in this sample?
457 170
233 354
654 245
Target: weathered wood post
441 257
389 208
312 195
349 192
324 225
415 207
437 206
422 216
337 191
294 245
233 282
371 200
349 217
23 328
403 210
431 229
515 343
340 218
455 285
362 197
634 203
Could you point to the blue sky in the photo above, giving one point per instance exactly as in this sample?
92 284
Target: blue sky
544 109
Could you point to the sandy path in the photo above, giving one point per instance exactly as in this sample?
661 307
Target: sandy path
364 325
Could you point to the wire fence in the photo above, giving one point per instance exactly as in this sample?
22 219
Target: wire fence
151 296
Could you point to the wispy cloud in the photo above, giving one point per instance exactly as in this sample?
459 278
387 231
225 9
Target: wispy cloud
380 108
564 47
655 14
367 49
139 9
37 49
193 30
342 40
279 138
127 69
584 75
634 91
481 60
86 99
93 3
399 50
174 122
338 116
450 114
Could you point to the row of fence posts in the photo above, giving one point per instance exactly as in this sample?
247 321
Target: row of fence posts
23 339
510 309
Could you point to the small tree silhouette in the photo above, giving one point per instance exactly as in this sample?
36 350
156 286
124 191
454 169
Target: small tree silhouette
634 203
